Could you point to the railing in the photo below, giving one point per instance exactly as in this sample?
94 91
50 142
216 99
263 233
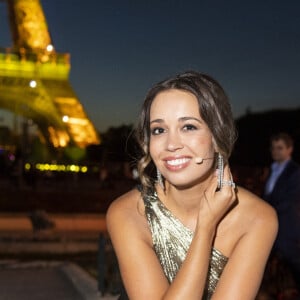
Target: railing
38 56
34 64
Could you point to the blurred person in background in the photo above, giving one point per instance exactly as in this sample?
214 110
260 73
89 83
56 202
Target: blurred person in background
282 191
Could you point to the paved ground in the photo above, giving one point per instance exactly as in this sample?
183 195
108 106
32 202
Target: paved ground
40 280
48 280
73 232
70 233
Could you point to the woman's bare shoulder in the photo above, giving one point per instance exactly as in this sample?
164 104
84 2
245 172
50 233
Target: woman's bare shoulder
250 219
126 213
126 199
255 209
125 204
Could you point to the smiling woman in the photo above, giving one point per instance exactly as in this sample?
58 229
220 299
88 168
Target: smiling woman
172 130
190 230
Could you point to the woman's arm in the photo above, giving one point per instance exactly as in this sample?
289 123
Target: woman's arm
141 271
243 273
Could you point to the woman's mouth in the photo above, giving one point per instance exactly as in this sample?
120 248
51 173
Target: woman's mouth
177 163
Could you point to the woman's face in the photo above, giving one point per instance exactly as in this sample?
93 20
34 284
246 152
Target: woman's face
179 138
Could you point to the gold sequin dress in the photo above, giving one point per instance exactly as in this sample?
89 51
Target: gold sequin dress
171 241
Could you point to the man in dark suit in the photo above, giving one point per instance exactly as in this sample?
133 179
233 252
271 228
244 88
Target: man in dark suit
282 191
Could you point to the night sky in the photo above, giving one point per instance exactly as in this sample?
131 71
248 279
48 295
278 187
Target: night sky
119 49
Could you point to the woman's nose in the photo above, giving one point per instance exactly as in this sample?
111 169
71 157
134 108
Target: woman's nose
174 141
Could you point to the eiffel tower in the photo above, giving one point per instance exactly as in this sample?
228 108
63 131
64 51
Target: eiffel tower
34 80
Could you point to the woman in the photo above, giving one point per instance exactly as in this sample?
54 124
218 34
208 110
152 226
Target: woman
189 233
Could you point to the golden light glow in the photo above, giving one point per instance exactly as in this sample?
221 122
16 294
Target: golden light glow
77 121
65 119
58 138
49 99
58 168
31 26
50 48
32 83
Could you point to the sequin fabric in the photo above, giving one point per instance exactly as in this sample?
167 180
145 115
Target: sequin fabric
171 241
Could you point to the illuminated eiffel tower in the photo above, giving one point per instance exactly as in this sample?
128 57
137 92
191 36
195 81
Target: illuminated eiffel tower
34 80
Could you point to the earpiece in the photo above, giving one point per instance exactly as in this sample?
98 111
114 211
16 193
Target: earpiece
198 160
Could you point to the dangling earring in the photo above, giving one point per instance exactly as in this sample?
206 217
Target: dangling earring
159 179
220 168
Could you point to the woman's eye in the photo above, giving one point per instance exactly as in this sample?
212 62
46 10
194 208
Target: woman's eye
157 131
188 127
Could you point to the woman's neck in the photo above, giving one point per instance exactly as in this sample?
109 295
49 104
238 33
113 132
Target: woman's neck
185 200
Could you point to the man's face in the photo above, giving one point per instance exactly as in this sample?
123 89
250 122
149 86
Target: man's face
280 151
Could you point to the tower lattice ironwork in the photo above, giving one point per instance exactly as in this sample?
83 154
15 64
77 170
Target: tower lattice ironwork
34 80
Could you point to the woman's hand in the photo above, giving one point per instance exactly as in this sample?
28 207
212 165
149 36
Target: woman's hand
216 202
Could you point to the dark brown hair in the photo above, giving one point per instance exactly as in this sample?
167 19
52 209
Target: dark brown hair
285 137
214 109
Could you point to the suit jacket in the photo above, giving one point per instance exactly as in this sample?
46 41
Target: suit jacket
285 198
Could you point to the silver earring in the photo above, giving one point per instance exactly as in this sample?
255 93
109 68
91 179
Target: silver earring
159 179
220 168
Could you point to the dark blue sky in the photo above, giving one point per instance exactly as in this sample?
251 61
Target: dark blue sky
120 48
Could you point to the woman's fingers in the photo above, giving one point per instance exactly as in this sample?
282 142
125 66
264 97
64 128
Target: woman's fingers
227 179
217 201
227 193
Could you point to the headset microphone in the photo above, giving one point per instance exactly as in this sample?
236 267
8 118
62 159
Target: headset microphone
199 160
